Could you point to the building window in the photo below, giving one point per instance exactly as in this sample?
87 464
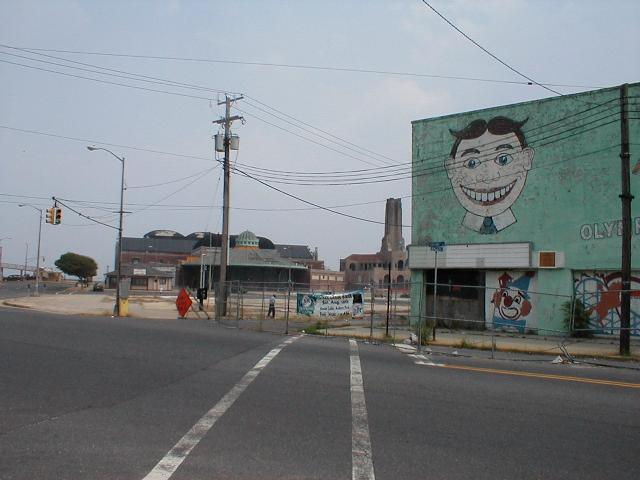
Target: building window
139 282
352 266
135 260
400 265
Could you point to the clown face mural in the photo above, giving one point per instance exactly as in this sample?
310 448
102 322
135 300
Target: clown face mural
488 168
511 302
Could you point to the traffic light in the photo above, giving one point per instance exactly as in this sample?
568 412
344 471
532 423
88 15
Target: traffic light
58 216
50 215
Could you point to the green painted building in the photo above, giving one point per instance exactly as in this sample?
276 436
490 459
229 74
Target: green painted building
526 198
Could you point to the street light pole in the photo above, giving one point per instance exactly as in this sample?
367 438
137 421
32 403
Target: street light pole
26 254
119 254
37 291
1 270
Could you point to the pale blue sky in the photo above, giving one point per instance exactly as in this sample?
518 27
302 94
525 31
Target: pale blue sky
588 43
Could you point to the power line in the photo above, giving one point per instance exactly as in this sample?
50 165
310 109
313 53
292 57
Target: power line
488 52
312 203
202 175
82 214
95 142
106 81
348 147
304 67
124 74
303 137
182 85
342 142
166 82
207 170
197 157
172 83
408 165
363 203
430 169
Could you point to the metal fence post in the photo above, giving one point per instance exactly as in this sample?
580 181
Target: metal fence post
435 296
373 301
238 303
423 288
395 313
286 327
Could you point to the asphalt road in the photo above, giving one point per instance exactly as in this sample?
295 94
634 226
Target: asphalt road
104 398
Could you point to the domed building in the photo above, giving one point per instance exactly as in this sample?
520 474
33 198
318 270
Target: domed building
165 259
247 241
254 261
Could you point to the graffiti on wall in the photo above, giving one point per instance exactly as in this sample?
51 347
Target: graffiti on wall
488 167
600 295
511 301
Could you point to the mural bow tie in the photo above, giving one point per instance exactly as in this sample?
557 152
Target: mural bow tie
488 227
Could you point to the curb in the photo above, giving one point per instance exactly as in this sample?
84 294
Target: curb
9 303
456 344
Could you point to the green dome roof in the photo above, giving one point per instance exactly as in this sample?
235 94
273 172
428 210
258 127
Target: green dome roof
247 239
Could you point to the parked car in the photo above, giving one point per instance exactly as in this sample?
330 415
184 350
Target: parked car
98 287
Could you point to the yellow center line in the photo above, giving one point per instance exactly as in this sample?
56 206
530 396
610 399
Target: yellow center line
543 375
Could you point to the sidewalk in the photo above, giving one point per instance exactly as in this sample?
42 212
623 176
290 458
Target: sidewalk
505 342
163 307
95 304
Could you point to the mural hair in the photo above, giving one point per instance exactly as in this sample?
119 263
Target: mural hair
495 126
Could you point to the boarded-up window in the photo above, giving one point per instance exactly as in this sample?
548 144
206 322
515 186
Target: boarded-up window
547 259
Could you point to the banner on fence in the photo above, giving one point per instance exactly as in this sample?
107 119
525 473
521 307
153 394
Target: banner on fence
331 304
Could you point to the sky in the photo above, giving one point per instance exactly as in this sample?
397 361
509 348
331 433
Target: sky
311 121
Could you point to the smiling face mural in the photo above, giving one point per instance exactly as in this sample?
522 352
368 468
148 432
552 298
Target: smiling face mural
488 168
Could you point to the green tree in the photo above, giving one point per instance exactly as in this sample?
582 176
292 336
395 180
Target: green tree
77 265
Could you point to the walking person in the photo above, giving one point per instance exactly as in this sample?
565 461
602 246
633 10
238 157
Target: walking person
272 307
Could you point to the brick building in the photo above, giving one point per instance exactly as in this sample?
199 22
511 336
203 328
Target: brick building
387 265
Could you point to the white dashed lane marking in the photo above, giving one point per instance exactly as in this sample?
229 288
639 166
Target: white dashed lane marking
166 467
423 360
361 454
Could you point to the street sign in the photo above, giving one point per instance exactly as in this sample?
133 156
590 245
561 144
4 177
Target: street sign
437 246
183 302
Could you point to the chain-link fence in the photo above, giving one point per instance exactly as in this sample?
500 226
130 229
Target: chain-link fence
386 311
248 306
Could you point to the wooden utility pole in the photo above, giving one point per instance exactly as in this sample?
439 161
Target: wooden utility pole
625 197
221 297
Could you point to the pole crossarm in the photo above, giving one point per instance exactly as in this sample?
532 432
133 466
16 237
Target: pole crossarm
222 121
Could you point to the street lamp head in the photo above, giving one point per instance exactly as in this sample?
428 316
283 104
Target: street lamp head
91 149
